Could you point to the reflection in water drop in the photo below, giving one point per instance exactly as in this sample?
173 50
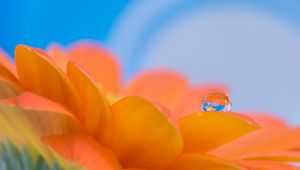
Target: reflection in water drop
216 102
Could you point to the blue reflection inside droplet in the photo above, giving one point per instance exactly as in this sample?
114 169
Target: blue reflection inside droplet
206 107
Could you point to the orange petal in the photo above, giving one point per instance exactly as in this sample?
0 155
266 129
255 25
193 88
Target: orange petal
83 150
98 114
159 86
6 73
143 136
284 139
201 161
267 165
6 61
48 117
244 145
191 103
39 75
274 135
268 121
58 55
280 135
98 62
208 130
9 88
283 156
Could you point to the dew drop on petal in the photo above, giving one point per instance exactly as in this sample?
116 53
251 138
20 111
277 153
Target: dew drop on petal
216 102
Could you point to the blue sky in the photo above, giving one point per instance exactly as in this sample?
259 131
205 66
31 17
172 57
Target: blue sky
38 22
251 45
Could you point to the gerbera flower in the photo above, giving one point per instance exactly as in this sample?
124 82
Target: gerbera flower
65 97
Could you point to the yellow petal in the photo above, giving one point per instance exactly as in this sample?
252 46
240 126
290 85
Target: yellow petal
98 114
9 88
192 161
47 117
39 75
143 136
83 150
207 130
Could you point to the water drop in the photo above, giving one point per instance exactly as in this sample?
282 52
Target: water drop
216 102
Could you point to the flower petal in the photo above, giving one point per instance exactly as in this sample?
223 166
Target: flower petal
151 149
208 130
6 61
282 140
58 55
191 103
274 135
283 156
279 136
267 165
98 114
6 73
99 63
201 161
268 121
9 88
159 86
48 117
83 150
39 75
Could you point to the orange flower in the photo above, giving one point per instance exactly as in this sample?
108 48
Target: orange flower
275 141
64 95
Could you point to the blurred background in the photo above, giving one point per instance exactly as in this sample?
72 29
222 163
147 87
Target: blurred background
251 45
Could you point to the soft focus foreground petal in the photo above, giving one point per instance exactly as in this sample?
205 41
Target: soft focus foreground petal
15 127
192 161
19 132
83 150
159 86
47 117
58 55
6 73
39 75
192 101
98 114
266 165
9 88
143 136
98 62
208 130
6 61
274 135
